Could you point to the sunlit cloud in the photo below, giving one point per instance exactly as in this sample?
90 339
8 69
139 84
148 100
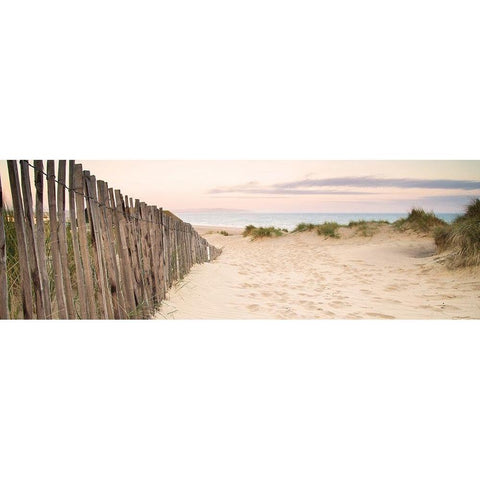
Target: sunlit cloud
310 186
376 182
285 191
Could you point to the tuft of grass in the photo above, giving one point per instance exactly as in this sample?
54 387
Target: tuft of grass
329 229
248 230
261 232
367 228
442 237
419 221
471 211
305 227
462 237
223 232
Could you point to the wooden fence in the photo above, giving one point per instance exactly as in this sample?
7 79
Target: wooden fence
107 256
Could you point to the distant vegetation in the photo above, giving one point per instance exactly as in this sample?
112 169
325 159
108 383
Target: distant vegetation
329 229
223 232
304 227
367 228
462 237
261 232
419 221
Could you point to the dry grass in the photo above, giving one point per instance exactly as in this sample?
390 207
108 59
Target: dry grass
461 238
328 229
419 221
367 228
261 232
305 227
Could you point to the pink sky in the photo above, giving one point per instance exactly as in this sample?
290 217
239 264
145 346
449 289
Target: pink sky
291 186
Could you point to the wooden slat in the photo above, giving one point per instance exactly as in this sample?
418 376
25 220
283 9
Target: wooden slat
83 241
40 237
25 275
95 248
141 253
140 212
62 238
55 249
122 288
132 251
31 243
98 232
92 248
110 254
3 263
81 311
137 252
125 262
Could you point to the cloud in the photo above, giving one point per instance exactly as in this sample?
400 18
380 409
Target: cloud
284 191
375 182
323 186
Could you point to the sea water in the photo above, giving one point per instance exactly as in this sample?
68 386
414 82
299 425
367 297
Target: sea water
288 220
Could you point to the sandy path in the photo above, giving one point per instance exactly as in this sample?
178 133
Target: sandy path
390 275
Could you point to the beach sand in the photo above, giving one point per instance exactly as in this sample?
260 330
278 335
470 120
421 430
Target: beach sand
306 276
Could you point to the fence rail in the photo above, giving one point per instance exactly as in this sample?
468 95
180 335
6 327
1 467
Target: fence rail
111 257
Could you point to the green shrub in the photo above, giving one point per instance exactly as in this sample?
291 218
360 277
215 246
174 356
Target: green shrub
304 227
223 232
248 230
261 232
266 232
328 229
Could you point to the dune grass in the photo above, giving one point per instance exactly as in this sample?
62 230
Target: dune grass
223 232
261 232
419 221
462 238
305 227
367 228
328 229
248 230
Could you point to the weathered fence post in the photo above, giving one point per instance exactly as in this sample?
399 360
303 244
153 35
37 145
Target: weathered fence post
19 220
57 266
3 263
62 238
83 241
124 256
32 245
40 236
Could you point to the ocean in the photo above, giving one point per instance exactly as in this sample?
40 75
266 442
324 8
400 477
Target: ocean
288 220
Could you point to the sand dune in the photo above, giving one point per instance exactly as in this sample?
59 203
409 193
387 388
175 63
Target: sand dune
305 276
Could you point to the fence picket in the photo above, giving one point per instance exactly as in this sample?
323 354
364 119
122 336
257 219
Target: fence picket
83 241
3 263
57 266
62 238
31 243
